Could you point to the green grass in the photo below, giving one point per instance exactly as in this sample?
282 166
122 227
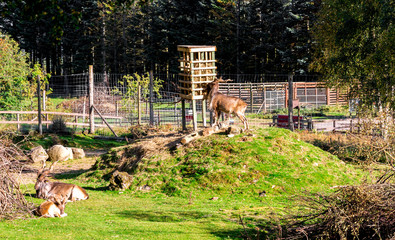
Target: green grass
109 215
78 140
273 160
179 207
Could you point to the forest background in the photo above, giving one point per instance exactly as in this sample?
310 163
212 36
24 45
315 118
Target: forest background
118 36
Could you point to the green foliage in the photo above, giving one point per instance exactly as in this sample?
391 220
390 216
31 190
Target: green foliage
31 92
132 84
14 70
355 49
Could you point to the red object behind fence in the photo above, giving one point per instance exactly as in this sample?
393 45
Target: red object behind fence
282 121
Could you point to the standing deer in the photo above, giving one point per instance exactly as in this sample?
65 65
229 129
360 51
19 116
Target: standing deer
219 102
58 192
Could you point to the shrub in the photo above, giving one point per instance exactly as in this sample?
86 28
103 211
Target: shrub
352 212
14 70
59 126
12 202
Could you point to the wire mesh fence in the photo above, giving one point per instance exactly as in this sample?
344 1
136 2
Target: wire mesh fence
122 107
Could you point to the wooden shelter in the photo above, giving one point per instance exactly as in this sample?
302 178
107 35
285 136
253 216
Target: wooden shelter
197 68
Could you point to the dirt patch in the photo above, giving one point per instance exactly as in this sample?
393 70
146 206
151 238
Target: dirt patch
155 146
29 171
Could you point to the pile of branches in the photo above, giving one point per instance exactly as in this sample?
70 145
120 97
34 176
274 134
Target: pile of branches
352 212
354 147
12 201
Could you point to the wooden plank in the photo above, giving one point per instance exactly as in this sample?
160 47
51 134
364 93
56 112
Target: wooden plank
197 75
49 122
105 121
190 97
190 82
55 113
196 48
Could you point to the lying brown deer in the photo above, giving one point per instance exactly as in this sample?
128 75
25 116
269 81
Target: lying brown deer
219 102
48 209
58 192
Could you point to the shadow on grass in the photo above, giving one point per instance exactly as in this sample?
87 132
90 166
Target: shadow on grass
230 234
100 189
71 174
165 216
188 216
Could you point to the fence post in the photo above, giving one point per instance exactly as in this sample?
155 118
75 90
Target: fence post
40 124
194 115
240 90
184 122
290 102
138 105
204 118
91 112
18 125
151 93
45 105
264 98
251 99
175 112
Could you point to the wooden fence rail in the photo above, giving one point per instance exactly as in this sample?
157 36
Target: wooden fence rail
271 96
46 115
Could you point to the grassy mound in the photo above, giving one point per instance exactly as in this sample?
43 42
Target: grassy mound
270 160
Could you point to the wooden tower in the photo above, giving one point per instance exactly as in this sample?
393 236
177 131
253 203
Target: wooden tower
197 68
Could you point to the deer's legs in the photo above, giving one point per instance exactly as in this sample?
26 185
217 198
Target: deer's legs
216 116
243 119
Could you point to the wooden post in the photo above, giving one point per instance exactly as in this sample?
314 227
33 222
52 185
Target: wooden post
194 113
240 90
175 113
44 100
328 99
138 104
290 102
105 121
46 119
45 107
183 120
204 113
251 99
91 112
19 125
40 125
286 94
299 118
151 102
264 98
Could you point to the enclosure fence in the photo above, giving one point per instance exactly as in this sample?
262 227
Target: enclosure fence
122 107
